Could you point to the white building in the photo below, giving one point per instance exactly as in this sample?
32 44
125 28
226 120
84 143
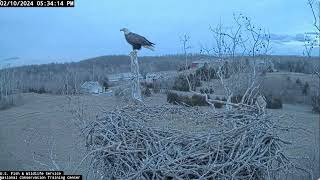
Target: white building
91 87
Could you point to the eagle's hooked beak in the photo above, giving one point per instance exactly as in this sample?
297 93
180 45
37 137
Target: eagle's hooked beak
122 29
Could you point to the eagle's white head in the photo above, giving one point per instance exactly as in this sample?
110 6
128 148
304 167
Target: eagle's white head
125 30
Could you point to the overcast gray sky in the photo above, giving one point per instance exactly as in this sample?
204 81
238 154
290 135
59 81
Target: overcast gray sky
41 35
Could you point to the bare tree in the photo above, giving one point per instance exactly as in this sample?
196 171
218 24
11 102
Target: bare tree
312 40
315 8
9 93
232 45
185 45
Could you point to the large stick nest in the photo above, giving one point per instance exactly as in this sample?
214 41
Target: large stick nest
242 145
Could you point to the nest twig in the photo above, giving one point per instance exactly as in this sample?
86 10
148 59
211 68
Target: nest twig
125 145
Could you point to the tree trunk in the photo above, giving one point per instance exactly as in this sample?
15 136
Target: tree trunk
136 91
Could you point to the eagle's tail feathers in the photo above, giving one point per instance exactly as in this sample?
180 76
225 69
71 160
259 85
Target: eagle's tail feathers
149 47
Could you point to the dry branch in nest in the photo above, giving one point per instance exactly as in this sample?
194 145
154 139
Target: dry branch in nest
125 145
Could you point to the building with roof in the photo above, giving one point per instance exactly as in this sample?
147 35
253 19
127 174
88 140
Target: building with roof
91 87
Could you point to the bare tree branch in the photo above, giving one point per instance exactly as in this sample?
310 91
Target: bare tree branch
312 4
185 44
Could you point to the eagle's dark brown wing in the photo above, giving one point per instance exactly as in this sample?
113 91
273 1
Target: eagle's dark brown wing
136 39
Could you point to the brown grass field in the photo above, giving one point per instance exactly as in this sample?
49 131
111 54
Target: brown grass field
29 131
44 127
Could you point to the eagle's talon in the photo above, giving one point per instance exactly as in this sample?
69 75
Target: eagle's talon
133 53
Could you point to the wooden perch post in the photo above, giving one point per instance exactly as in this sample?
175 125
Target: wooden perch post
136 90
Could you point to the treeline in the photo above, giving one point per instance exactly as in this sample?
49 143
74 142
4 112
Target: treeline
66 78
296 64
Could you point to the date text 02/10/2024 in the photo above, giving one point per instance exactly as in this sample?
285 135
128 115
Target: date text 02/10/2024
36 3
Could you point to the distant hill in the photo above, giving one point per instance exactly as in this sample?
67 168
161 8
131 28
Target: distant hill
67 77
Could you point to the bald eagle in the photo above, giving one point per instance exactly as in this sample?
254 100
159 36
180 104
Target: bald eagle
136 40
